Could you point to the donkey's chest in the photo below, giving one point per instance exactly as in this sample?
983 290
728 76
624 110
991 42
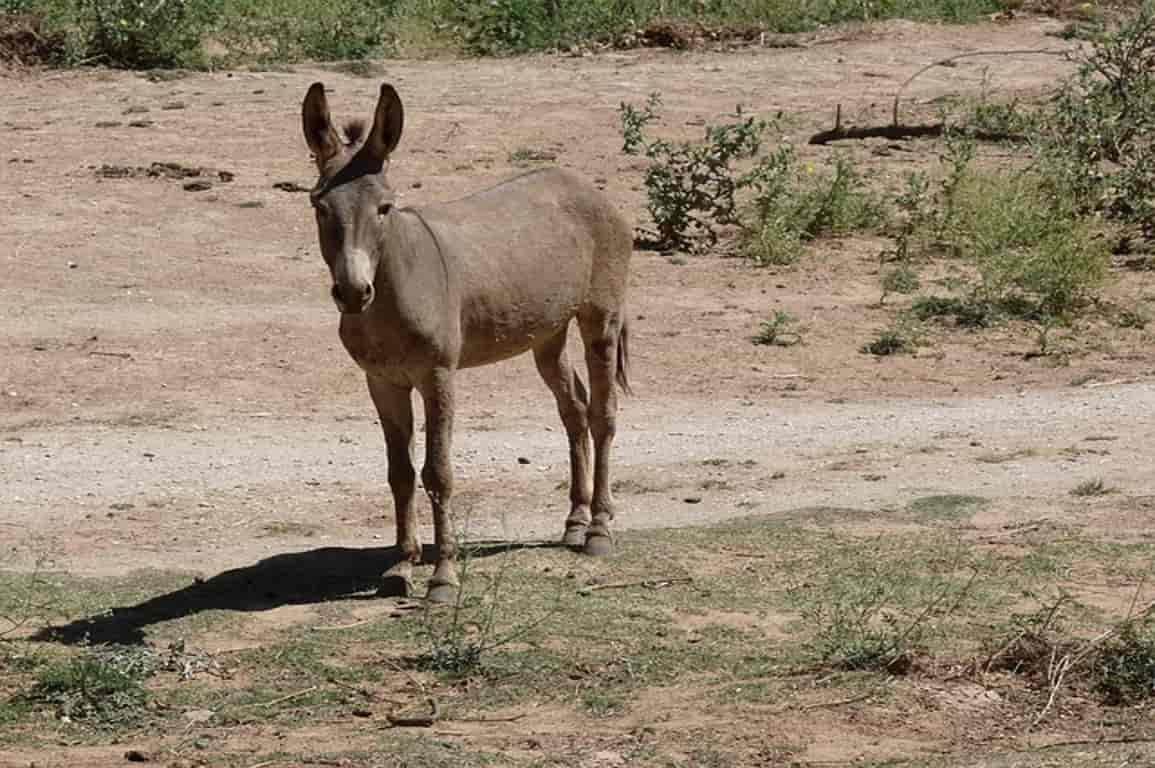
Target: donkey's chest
389 350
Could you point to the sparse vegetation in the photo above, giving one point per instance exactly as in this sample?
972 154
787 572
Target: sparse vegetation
1093 487
873 613
164 33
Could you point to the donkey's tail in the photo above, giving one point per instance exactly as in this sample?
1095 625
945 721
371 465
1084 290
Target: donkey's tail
623 375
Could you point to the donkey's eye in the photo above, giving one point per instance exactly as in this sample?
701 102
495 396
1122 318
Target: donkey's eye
384 208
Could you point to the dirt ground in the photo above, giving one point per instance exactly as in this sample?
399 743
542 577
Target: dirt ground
173 394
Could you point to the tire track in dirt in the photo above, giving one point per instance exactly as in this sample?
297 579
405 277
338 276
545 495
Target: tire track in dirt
213 485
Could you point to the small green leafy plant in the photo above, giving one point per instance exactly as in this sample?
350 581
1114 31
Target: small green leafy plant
779 331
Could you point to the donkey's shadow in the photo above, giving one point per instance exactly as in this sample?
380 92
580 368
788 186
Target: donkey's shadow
313 576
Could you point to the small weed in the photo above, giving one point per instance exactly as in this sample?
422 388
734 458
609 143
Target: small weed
1093 487
777 331
894 340
634 120
1132 318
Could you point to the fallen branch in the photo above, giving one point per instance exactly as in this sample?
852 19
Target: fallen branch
417 721
956 57
121 355
647 583
897 131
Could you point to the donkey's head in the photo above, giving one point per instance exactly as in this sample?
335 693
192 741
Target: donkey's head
352 198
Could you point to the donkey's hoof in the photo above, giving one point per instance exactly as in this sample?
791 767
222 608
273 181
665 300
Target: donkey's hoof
395 585
598 545
441 593
575 536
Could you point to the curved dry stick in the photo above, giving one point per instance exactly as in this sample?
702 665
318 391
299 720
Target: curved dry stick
956 57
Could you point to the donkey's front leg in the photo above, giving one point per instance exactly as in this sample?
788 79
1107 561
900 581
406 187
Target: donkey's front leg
395 407
437 474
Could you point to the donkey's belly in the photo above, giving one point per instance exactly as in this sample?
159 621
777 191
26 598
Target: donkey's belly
490 342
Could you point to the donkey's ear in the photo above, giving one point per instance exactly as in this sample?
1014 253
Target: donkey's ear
320 134
387 123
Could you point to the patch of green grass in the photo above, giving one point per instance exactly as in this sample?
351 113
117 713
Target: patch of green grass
530 155
967 313
951 506
902 279
93 688
601 704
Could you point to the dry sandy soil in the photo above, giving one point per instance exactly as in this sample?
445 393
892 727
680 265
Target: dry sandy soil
173 394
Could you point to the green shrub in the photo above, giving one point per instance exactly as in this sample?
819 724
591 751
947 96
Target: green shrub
1124 667
890 341
793 204
1096 137
141 34
292 30
967 313
690 188
1028 243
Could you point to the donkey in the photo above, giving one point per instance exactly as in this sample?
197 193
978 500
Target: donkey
425 291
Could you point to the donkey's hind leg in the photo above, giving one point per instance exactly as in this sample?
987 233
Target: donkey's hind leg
572 403
600 332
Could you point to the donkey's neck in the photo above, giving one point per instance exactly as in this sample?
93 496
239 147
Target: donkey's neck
412 273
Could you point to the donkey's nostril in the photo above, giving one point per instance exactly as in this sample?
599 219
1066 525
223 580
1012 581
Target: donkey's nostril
352 299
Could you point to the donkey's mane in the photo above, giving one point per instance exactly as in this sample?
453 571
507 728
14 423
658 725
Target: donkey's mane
354 131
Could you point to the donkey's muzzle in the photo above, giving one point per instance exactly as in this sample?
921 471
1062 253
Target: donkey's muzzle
352 299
